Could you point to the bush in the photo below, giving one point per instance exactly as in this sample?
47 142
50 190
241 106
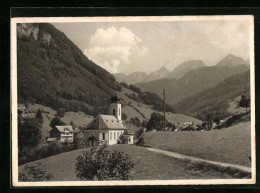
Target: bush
124 84
101 164
34 173
135 121
44 151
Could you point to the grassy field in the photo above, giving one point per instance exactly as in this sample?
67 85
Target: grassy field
173 118
147 166
230 145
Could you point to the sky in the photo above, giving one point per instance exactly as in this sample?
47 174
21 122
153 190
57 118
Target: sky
126 47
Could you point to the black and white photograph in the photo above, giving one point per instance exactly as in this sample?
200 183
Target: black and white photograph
104 101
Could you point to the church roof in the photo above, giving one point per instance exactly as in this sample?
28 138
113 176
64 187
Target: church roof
105 122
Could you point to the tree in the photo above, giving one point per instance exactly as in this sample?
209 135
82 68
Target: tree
61 112
144 123
216 120
101 164
244 102
56 121
38 116
170 126
124 116
34 173
135 121
29 134
155 122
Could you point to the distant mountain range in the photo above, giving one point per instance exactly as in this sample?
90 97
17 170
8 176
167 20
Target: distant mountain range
207 87
163 72
196 80
137 77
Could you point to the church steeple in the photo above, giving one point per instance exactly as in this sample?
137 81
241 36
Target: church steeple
115 107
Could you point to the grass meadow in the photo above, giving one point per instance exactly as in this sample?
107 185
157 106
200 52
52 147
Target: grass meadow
147 166
229 145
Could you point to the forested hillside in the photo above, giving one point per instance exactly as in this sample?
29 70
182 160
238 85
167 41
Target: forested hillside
214 100
53 71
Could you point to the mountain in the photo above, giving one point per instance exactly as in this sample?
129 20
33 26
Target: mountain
132 78
192 82
215 99
159 74
136 77
120 77
231 61
53 71
185 67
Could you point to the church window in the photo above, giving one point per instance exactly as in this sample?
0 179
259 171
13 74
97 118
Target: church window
103 136
114 111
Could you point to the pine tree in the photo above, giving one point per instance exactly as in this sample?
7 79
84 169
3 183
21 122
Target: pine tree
38 116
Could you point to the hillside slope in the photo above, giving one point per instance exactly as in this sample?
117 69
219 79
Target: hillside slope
217 97
53 71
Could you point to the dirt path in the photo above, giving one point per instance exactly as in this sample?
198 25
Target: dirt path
234 169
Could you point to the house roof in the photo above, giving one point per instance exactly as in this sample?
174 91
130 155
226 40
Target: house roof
50 139
62 128
21 107
105 122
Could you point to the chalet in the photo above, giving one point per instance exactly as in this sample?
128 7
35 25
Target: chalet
106 129
22 111
62 133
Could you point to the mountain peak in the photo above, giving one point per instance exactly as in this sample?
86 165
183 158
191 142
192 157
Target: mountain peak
185 67
163 69
232 60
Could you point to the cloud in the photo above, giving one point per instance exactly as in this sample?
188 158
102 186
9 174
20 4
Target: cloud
116 50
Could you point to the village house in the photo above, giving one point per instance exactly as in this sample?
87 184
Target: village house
62 133
106 129
22 111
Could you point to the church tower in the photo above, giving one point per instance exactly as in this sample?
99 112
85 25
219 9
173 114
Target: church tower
115 108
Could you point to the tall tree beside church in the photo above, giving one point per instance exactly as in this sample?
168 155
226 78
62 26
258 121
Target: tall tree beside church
38 116
155 122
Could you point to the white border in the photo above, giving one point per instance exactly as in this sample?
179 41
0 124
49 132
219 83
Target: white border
14 21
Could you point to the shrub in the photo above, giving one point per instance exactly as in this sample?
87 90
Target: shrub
34 173
44 151
101 164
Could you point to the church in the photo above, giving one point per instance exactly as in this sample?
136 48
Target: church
107 129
